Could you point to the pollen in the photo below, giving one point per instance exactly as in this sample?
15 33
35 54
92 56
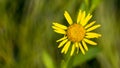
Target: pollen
75 32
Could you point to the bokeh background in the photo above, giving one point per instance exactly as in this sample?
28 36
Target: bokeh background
28 41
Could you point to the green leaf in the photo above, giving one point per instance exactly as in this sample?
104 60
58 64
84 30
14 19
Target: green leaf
47 60
94 4
80 58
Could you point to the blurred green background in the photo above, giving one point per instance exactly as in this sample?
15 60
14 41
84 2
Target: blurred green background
28 41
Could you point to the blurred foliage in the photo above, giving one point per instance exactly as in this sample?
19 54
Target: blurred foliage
28 41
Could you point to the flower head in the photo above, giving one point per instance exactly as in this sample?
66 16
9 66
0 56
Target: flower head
77 35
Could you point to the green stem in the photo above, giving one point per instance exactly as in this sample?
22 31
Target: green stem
68 63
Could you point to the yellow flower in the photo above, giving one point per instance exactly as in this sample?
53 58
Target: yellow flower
76 34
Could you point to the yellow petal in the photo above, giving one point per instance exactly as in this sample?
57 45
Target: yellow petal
93 28
79 16
56 28
89 42
65 48
68 18
63 38
92 35
82 18
73 49
85 46
87 19
62 43
89 25
77 46
81 48
60 31
59 25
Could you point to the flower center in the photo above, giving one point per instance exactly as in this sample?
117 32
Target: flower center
75 32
